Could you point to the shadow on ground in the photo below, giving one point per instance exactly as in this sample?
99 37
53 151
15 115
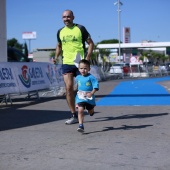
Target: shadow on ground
12 118
130 116
125 127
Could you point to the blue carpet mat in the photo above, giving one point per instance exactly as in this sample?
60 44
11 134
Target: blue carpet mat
144 92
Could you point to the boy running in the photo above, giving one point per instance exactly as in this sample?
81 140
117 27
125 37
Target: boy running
87 86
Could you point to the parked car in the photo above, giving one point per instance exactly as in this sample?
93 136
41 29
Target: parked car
119 68
15 55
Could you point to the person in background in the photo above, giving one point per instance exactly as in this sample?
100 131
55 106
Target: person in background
71 45
87 86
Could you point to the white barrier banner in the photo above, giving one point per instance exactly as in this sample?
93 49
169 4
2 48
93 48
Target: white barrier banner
24 77
51 74
59 76
8 82
34 76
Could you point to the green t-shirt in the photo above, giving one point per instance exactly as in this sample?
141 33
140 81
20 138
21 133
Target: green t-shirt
73 43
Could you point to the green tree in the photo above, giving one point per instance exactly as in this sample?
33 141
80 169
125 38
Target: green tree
25 49
102 52
111 41
14 43
154 58
163 57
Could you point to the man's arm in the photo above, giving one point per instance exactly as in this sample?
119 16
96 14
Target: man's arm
57 52
90 48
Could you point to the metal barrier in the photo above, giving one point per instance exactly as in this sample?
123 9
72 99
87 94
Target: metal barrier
55 91
157 71
5 99
147 71
138 70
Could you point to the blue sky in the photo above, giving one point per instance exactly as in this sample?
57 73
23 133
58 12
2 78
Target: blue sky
147 19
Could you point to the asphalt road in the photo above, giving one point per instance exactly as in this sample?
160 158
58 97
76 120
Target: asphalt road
33 136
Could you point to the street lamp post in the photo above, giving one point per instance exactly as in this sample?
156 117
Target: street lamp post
118 3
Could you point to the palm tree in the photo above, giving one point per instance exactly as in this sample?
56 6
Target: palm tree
104 53
164 58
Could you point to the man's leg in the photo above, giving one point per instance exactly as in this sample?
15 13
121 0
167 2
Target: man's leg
70 97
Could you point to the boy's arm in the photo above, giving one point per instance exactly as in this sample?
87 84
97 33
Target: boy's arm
89 94
93 91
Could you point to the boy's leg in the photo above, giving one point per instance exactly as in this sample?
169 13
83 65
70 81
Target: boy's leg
80 118
91 112
90 109
80 114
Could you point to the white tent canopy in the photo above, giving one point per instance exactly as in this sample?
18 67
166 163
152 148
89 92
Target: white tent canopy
135 45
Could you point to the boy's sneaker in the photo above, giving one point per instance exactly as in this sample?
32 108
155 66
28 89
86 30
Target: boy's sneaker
80 128
92 114
72 120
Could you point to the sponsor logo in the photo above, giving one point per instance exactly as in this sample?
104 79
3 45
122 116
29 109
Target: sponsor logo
31 76
25 77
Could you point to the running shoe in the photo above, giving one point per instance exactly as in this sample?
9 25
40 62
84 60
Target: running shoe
80 128
91 114
72 120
